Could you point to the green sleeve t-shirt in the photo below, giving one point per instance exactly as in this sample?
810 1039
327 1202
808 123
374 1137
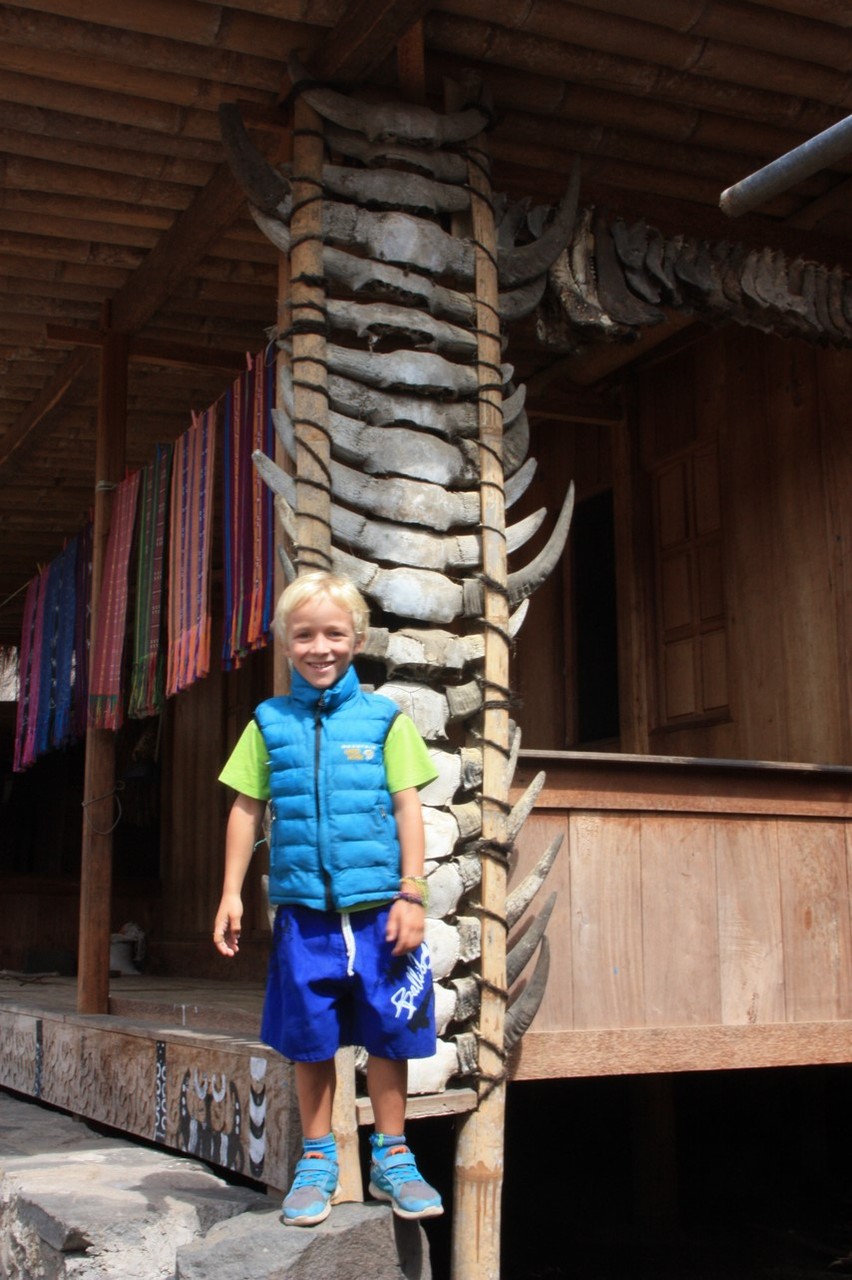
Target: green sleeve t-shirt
407 760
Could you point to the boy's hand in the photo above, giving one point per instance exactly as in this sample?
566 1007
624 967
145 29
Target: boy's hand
406 923
227 925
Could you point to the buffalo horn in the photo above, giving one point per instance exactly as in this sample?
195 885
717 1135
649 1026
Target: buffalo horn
514 304
399 451
420 547
406 122
402 451
521 953
521 1013
522 809
525 581
379 407
394 189
420 594
446 166
519 266
429 649
376 319
401 239
405 501
263 184
397 370
382 279
521 897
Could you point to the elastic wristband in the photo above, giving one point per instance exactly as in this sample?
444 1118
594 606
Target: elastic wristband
409 897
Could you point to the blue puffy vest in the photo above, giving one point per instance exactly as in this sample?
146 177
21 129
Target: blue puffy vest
334 839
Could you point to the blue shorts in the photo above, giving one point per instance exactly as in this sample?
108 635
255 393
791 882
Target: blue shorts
334 981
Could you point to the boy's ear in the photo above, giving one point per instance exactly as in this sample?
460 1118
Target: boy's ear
360 641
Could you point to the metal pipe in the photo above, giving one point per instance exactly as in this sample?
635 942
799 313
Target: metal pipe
817 153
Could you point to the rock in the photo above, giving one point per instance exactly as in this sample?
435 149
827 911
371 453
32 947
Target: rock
355 1241
77 1205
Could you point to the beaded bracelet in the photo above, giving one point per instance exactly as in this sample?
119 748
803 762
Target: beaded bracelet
409 897
421 887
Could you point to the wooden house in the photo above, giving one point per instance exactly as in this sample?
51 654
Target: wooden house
683 678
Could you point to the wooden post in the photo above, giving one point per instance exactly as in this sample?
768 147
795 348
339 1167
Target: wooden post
99 773
310 375
479 1146
313 481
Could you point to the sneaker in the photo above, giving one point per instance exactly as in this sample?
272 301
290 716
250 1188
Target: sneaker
395 1177
309 1198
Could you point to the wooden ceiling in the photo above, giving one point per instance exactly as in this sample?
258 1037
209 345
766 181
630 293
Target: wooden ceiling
116 205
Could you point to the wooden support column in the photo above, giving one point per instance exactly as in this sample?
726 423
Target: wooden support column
313 482
479 1145
310 376
99 777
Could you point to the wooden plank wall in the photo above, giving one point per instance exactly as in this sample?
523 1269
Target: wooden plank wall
204 724
778 411
705 897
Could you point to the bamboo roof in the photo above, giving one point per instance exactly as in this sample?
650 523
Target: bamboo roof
116 204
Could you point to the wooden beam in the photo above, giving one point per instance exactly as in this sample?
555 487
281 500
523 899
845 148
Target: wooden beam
47 399
365 36
149 351
369 32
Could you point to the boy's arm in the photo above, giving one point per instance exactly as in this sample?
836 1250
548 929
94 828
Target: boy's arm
406 920
242 831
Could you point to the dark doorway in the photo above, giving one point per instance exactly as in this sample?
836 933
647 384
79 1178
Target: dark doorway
595 624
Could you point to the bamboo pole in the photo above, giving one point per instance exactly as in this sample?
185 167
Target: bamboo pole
99 769
313 492
479 1145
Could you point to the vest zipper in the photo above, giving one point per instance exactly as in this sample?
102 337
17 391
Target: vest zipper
318 710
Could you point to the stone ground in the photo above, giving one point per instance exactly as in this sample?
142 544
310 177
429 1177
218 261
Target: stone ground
78 1205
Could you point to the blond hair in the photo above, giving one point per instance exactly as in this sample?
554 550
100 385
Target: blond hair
321 583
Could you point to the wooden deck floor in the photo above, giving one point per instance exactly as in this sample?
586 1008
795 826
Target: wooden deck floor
161 1001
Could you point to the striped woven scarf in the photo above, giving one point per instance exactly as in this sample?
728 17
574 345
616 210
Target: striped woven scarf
248 513
190 519
105 684
147 673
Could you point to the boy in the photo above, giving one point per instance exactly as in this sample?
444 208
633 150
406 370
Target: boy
341 770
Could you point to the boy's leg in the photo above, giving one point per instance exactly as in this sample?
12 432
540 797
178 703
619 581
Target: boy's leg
309 1198
315 1083
394 1175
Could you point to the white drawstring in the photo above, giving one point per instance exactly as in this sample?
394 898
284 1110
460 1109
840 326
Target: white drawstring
349 939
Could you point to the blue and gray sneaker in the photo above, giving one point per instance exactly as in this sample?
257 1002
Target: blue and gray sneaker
309 1199
395 1177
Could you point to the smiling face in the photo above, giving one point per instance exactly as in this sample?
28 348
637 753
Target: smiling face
320 641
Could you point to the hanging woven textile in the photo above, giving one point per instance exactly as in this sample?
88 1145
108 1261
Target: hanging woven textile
248 513
27 668
51 590
63 645
105 683
52 719
83 605
36 692
147 684
190 520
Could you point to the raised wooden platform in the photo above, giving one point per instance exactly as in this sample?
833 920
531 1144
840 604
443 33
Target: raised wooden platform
174 1062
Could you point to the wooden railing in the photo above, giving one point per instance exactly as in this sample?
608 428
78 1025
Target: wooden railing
703 914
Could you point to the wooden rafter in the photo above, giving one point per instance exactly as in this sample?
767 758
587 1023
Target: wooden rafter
365 36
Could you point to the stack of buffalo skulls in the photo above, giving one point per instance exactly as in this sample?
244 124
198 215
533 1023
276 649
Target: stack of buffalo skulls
399 325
